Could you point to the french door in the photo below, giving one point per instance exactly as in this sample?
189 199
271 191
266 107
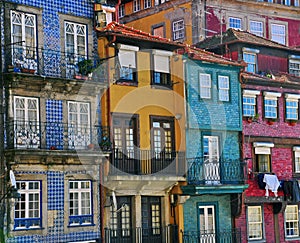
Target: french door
79 130
207 224
211 159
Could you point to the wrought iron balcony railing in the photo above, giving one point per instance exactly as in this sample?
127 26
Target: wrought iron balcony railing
51 63
224 236
167 234
144 162
215 172
55 136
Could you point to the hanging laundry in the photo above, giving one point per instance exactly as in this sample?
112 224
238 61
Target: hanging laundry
272 183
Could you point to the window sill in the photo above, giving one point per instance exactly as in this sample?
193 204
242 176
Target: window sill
80 225
28 229
162 86
126 83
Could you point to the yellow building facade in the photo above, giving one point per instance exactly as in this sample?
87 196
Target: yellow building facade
144 108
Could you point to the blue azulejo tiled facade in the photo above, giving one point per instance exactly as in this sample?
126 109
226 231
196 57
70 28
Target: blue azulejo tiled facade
52 124
216 175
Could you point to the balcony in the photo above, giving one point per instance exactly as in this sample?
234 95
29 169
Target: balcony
167 234
55 136
226 236
146 162
216 172
51 63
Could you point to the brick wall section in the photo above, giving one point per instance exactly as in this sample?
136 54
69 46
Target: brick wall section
284 137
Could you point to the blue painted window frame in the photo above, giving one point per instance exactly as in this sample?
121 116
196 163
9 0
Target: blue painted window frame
26 222
81 219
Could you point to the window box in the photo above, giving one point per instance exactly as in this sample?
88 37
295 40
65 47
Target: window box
251 119
26 70
270 121
292 122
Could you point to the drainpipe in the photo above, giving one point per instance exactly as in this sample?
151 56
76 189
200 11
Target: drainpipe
109 123
2 160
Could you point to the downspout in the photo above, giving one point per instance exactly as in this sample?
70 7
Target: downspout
117 11
109 123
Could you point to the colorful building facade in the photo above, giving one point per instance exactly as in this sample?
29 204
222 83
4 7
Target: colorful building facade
51 116
270 136
145 110
216 175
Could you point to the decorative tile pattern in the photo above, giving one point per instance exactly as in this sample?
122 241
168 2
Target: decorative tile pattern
55 190
54 127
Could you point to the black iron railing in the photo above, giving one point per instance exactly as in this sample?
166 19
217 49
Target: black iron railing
214 172
55 136
224 236
51 63
167 234
143 162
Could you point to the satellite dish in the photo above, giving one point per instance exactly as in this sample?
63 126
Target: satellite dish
12 179
114 200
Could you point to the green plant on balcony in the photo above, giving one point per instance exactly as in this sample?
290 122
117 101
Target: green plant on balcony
85 67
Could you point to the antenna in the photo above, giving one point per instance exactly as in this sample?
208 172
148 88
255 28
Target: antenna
12 179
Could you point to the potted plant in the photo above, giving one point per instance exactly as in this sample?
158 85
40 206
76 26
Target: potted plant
271 121
85 67
254 118
292 122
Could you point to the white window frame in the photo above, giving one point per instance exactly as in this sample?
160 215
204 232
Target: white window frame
127 59
278 37
294 66
26 118
205 85
296 151
136 5
224 87
291 219
24 48
295 99
233 22
251 65
272 108
296 3
121 10
147 4
79 129
178 29
287 2
77 31
80 191
251 94
256 28
254 223
27 192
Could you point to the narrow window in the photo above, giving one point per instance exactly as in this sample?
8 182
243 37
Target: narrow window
161 72
249 102
250 59
223 85
291 218
127 59
255 223
178 29
80 203
24 39
27 208
205 85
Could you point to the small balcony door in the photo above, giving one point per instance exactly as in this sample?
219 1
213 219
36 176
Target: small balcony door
151 220
125 141
26 122
163 142
120 222
207 224
211 159
79 130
